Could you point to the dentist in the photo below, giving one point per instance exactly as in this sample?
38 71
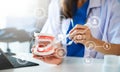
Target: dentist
91 24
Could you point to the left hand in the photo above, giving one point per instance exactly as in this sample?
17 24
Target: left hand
80 34
52 58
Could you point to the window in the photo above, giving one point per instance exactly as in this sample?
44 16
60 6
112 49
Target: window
20 8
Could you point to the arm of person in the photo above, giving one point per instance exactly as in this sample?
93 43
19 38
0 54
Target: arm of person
82 34
107 48
113 34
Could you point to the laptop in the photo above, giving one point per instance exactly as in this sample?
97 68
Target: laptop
8 62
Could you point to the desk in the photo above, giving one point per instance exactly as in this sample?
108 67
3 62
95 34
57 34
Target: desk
70 64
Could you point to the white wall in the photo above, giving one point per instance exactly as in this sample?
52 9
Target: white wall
21 7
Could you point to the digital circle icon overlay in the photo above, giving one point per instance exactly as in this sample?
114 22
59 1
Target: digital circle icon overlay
90 45
60 53
107 46
22 61
88 60
94 21
41 12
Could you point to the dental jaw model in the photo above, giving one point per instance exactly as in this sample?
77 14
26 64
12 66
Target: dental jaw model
46 44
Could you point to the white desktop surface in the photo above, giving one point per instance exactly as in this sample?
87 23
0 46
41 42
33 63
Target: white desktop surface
70 64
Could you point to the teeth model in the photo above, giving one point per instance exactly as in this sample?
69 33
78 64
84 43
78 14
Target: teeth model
45 44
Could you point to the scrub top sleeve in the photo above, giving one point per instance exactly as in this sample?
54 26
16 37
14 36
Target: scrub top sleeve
47 27
52 25
114 26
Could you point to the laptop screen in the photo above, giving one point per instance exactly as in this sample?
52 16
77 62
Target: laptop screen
7 62
4 62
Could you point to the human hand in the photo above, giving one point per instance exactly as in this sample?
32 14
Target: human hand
80 34
52 58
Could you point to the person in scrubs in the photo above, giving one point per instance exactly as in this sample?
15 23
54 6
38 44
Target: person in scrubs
92 25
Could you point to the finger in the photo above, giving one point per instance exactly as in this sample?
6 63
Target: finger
79 39
71 36
75 33
85 34
32 50
49 58
48 55
74 38
78 26
52 60
82 42
83 37
78 32
39 57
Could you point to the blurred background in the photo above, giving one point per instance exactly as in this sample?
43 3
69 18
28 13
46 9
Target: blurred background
18 20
